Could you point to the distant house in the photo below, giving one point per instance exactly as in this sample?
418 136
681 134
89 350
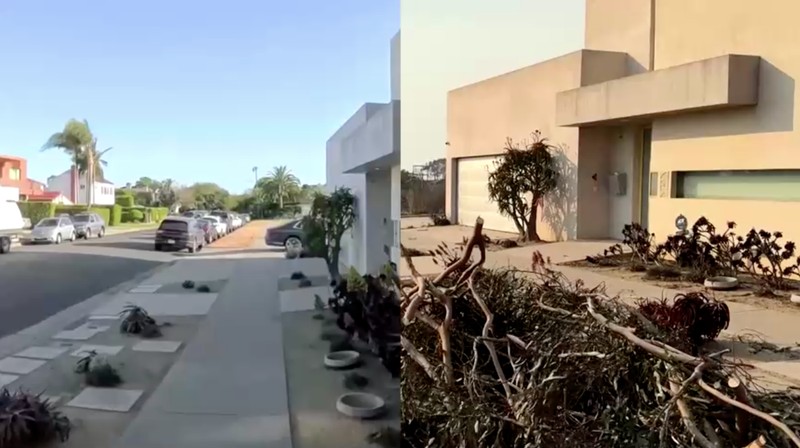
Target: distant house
50 196
65 184
14 179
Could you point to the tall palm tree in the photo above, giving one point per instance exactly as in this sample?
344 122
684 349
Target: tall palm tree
282 183
80 144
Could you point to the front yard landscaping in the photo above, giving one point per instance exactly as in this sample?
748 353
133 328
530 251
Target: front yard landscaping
758 267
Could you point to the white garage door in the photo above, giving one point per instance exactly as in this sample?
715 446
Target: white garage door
473 195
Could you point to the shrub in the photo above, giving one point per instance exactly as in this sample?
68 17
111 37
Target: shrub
187 284
640 241
27 420
124 199
770 260
157 214
36 211
137 321
439 220
97 372
115 215
297 275
203 288
132 215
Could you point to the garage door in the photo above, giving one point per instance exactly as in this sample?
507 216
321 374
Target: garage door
473 195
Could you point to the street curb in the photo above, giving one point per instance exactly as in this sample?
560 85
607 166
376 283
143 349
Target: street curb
42 332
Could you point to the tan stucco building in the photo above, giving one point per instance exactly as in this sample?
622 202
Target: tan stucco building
674 107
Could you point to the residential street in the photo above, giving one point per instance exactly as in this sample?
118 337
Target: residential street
39 281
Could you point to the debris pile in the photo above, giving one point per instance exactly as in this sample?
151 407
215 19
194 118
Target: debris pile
502 358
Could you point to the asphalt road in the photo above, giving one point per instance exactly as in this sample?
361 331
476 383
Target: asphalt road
39 281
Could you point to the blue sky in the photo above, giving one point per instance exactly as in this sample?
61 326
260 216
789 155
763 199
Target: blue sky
198 91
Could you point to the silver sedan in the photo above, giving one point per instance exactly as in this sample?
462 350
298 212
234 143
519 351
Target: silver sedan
52 230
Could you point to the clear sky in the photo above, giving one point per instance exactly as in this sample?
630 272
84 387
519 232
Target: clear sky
197 91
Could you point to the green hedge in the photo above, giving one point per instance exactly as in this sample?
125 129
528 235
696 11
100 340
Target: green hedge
157 214
132 214
116 215
124 199
36 211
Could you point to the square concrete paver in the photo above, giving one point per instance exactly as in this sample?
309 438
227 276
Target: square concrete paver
145 289
104 317
185 304
82 333
38 352
20 366
102 399
107 350
302 299
7 379
157 346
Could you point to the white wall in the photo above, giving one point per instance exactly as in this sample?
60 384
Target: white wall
452 43
61 184
378 220
396 210
103 194
9 194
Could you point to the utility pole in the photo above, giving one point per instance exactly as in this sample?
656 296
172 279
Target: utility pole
255 173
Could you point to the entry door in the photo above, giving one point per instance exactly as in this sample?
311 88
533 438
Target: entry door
644 195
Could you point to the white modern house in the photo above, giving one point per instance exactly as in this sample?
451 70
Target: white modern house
364 155
65 183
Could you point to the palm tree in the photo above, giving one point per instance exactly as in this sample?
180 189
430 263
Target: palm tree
80 144
281 183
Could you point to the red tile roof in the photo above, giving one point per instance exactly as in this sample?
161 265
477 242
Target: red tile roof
46 196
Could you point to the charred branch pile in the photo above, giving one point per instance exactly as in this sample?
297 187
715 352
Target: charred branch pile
500 358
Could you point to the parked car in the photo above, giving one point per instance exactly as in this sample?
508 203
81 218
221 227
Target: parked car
11 224
289 235
52 230
194 214
88 225
237 220
246 217
219 224
209 229
179 232
226 217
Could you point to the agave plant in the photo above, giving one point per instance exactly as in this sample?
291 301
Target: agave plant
203 288
28 420
97 372
137 321
187 284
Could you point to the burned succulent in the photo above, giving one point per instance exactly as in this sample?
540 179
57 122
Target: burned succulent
659 272
203 288
187 284
28 420
769 259
97 372
691 320
412 252
305 283
439 219
640 242
354 381
297 275
137 321
340 344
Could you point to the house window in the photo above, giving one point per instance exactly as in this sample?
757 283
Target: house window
14 174
763 185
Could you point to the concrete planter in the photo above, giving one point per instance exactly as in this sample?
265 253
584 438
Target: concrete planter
360 405
721 283
341 360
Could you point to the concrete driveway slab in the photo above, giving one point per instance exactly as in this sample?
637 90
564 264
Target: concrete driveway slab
157 346
20 366
102 399
7 379
40 352
105 350
161 304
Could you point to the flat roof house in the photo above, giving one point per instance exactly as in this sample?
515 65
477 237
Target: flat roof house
674 107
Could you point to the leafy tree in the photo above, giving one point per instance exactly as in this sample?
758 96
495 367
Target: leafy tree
520 181
435 169
330 217
77 140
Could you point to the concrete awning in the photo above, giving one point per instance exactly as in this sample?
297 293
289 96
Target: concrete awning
722 82
375 143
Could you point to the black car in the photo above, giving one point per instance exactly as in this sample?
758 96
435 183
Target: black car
289 235
177 233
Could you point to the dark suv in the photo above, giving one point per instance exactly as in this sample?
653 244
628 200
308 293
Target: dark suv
177 233
88 225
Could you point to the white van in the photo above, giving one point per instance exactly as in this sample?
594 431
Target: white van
11 224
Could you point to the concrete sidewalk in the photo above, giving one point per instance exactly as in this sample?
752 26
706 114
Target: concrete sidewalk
777 326
228 388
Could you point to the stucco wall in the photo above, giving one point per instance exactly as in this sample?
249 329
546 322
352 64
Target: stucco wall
621 25
763 137
481 116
